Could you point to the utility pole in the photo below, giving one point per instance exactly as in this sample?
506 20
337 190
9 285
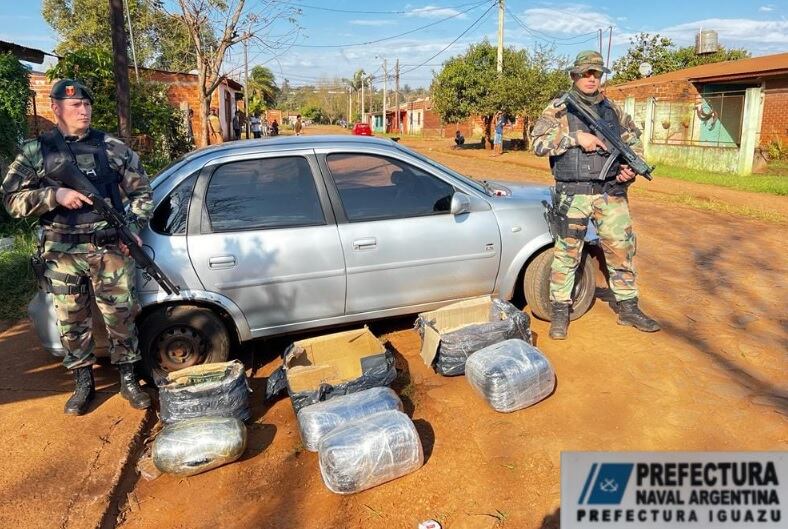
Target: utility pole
609 44
385 95
500 35
246 77
600 41
349 104
131 37
120 66
362 100
371 110
396 88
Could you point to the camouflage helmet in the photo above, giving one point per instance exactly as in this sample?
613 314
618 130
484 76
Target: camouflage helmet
588 60
70 89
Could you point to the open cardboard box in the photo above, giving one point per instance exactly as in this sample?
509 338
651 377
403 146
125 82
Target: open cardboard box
331 359
450 318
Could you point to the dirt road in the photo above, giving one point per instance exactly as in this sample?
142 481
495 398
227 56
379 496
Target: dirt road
714 379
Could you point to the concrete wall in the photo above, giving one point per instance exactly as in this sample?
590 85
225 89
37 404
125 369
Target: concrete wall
716 159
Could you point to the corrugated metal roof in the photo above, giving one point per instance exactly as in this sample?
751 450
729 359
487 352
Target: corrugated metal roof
766 65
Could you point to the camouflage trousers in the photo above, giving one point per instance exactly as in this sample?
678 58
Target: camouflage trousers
611 216
111 277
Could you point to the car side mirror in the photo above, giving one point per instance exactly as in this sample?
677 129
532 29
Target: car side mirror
460 203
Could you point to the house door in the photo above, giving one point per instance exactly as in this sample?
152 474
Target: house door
228 115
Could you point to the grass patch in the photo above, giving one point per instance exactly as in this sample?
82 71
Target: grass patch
713 205
17 284
773 184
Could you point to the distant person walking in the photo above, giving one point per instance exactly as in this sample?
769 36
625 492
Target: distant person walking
459 140
499 120
299 125
255 123
236 126
215 136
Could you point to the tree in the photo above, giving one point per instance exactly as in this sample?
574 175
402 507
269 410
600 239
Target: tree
14 99
470 84
224 18
262 85
663 56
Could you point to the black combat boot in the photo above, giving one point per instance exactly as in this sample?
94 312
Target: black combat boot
130 388
559 320
84 392
630 314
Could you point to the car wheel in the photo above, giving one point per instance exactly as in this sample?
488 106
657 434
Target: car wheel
176 337
536 286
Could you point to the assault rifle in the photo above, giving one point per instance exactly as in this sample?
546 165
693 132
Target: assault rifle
68 174
601 127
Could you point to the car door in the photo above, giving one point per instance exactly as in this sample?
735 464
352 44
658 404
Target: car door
402 246
265 237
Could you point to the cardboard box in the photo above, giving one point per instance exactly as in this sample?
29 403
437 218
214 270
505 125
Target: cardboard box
451 318
331 359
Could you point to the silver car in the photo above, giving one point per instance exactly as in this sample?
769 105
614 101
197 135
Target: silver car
285 234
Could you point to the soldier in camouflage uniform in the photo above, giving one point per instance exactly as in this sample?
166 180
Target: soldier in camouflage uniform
577 158
77 247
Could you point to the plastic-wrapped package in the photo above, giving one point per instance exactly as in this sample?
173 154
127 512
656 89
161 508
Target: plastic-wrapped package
510 375
469 326
317 420
362 454
325 367
192 446
207 390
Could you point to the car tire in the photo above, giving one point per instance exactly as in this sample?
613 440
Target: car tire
536 286
178 336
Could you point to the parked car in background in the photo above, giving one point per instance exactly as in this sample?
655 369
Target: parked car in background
362 129
267 237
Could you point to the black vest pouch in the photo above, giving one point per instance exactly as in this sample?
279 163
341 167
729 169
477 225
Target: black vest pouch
576 165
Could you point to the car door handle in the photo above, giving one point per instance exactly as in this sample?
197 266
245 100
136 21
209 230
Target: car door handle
221 261
365 244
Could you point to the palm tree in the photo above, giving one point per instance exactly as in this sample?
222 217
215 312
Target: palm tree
262 85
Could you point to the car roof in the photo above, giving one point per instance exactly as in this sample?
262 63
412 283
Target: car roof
277 142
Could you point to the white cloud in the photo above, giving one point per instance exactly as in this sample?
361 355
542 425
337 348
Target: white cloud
434 12
570 19
766 9
371 22
733 31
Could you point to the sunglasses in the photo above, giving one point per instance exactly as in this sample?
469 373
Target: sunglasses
592 73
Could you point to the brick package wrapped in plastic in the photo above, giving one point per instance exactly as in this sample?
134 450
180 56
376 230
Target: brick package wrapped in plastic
510 375
207 390
370 451
192 446
319 419
500 321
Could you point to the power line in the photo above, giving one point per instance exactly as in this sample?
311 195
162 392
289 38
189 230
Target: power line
333 10
562 41
469 28
393 36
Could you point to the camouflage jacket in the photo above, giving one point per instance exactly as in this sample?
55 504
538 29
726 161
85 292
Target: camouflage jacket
27 192
551 136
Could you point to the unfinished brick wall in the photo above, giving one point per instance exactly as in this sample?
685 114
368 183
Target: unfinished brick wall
774 125
677 89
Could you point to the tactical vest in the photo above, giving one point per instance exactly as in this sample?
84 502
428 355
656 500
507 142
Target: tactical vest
576 165
90 155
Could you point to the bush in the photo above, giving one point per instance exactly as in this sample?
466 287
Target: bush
777 150
14 99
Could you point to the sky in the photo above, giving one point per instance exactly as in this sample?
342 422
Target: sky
337 37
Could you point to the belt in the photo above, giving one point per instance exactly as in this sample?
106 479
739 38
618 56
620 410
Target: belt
597 187
99 237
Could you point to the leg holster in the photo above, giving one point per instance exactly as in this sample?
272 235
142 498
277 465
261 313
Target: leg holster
557 220
74 284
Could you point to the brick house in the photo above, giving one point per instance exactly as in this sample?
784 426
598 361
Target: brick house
182 91
710 84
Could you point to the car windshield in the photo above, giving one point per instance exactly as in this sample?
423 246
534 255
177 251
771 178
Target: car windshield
479 186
